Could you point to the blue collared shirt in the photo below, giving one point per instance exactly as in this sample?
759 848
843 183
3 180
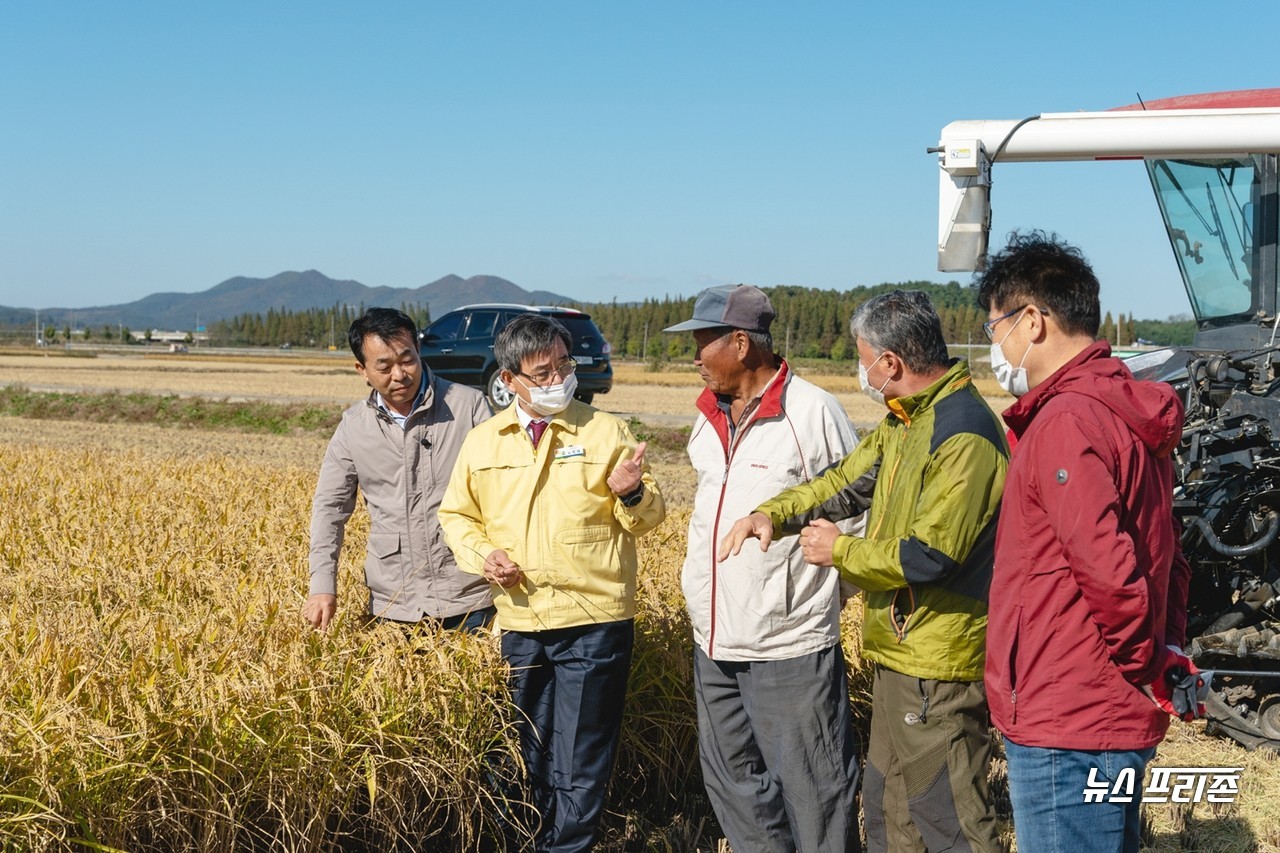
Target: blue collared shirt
417 401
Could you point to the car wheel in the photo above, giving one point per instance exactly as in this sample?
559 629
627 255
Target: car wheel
586 397
499 396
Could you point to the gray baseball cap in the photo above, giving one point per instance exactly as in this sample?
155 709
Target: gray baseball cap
737 306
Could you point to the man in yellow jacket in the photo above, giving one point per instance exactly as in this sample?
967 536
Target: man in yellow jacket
545 501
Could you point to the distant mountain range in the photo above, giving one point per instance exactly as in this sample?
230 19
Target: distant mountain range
292 291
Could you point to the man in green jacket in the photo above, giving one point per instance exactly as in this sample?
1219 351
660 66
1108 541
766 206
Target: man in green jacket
925 568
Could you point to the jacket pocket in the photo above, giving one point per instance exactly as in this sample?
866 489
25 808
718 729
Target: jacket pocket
383 545
383 563
581 535
1013 665
588 554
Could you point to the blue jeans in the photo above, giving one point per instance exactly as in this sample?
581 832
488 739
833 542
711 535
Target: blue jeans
1050 815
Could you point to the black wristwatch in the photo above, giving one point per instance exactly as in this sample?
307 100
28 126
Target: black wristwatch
633 497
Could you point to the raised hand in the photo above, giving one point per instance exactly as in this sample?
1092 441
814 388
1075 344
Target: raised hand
626 477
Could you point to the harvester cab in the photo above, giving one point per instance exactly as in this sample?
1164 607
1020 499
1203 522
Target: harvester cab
1214 164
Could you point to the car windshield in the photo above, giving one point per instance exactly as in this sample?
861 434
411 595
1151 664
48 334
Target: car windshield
581 328
1209 209
446 328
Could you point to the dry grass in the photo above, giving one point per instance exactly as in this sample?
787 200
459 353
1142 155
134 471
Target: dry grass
300 452
161 692
1251 823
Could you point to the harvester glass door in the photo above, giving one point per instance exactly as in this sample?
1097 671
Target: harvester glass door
1209 208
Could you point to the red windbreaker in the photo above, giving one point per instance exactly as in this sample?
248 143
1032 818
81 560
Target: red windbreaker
1089 581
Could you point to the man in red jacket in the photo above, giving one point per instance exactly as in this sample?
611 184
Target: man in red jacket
1089 590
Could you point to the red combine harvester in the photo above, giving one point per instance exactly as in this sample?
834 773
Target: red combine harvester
1214 163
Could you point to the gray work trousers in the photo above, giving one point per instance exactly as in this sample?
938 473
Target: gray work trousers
779 755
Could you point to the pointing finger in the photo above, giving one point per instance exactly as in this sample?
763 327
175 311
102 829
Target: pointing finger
638 458
727 546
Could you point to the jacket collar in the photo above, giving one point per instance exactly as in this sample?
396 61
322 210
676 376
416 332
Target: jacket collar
426 395
769 402
907 408
1153 411
567 421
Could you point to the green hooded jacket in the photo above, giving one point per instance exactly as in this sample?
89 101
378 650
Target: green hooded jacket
939 460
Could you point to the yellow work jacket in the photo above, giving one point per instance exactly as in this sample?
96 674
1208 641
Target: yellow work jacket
552 511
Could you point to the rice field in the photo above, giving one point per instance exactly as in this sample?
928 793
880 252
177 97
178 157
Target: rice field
160 691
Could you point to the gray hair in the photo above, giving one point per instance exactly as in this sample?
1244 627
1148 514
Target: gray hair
528 335
902 321
762 340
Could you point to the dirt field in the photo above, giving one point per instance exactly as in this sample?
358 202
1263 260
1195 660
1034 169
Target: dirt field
661 397
322 379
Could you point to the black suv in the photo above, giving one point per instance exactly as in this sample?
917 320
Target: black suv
459 347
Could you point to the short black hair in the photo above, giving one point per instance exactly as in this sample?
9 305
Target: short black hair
527 335
386 323
1043 270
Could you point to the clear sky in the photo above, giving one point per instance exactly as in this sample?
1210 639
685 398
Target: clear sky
596 149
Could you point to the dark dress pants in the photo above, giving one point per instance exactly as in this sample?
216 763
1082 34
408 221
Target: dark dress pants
569 684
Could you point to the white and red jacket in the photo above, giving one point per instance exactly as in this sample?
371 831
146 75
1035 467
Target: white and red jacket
761 605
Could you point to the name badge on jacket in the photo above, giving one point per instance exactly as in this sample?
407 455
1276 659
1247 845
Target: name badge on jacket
570 451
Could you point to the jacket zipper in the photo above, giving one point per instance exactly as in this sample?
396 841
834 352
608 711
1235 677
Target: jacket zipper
715 528
715 565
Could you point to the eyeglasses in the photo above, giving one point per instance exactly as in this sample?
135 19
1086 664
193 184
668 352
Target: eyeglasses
989 327
564 370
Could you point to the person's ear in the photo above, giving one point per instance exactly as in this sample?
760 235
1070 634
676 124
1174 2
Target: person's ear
893 365
1038 324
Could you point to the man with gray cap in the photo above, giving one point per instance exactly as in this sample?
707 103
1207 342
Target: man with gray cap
775 733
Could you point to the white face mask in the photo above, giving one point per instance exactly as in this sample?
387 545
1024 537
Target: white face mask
552 400
1012 379
870 390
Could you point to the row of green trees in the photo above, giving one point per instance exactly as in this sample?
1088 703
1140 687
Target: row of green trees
312 327
109 334
811 323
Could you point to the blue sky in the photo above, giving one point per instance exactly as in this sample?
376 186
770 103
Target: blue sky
594 149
